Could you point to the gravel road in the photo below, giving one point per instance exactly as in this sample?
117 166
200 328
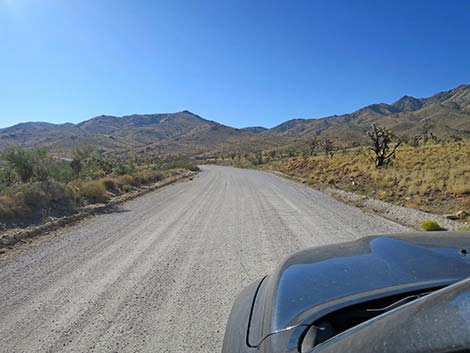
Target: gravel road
160 274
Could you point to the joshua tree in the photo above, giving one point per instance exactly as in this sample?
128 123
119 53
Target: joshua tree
414 142
381 139
313 145
426 131
81 155
328 147
77 166
259 158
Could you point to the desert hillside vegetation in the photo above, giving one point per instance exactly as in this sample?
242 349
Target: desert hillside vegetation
36 186
433 178
431 175
445 114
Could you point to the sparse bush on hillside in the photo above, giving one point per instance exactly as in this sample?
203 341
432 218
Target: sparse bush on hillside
22 166
313 145
110 184
149 176
427 132
180 164
34 185
7 177
93 192
20 163
124 180
35 201
80 156
431 177
122 168
330 179
258 158
83 153
76 166
328 147
460 189
430 226
126 188
7 207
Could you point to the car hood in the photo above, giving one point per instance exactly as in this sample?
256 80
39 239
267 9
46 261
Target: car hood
315 281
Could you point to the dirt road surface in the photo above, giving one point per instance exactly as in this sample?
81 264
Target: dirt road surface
161 273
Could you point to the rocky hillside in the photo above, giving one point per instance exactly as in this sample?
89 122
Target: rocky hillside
447 112
182 132
255 129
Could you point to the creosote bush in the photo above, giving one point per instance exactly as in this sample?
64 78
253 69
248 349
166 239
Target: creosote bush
94 191
430 226
35 201
110 184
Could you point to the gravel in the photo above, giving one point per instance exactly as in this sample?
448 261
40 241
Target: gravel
160 273
407 216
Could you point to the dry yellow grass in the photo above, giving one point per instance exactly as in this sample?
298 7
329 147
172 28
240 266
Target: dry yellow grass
432 177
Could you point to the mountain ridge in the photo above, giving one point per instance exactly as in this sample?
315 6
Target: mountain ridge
453 104
186 132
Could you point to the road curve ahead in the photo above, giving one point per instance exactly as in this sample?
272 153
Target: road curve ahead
161 273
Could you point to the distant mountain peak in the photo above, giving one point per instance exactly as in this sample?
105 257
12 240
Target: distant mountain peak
255 129
188 133
408 104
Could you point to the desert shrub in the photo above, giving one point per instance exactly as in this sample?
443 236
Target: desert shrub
124 179
149 176
93 168
34 185
430 225
7 177
76 165
93 192
72 190
47 195
60 171
311 181
182 164
92 171
124 182
461 189
135 181
111 184
25 202
7 207
20 162
435 177
27 165
466 203
35 200
23 166
34 196
106 165
126 188
124 168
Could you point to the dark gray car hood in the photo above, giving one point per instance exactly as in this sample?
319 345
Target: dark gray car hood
312 282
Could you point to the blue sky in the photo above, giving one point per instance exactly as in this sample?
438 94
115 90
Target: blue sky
241 63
